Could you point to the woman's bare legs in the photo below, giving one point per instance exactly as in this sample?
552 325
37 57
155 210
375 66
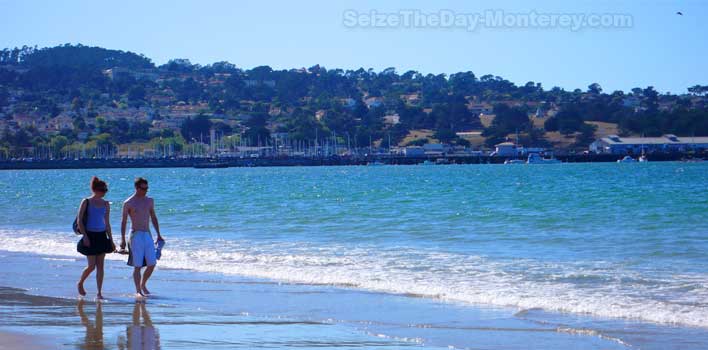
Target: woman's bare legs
100 259
91 260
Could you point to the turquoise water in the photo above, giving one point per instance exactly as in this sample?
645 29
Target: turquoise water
619 241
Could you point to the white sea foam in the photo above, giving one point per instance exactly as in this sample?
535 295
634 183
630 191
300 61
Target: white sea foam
597 288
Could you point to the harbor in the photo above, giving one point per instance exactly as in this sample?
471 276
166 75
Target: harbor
220 162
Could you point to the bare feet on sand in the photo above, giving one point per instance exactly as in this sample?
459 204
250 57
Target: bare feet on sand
99 297
146 292
82 291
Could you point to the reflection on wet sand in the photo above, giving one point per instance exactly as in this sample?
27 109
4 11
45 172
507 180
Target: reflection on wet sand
140 336
94 331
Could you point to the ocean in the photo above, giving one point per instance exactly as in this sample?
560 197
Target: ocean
624 245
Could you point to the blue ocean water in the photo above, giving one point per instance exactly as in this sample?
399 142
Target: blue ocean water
625 241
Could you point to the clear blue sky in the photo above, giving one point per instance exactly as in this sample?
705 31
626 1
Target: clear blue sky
661 48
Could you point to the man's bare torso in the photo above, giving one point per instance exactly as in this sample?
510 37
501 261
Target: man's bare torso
139 211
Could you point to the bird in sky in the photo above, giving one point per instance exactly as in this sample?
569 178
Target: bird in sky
679 13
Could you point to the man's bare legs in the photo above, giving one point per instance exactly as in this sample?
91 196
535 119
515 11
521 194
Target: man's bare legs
146 276
136 280
87 271
100 259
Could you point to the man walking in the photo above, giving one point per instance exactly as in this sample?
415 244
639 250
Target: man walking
141 210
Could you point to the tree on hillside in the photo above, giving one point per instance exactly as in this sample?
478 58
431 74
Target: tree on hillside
454 115
196 129
84 57
698 90
256 129
304 127
507 120
136 94
595 88
567 121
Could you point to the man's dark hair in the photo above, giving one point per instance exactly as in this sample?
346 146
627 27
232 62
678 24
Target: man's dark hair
140 181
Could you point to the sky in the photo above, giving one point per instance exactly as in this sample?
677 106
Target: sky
640 43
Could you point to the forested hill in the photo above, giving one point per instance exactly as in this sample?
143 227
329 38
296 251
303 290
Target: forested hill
79 56
125 97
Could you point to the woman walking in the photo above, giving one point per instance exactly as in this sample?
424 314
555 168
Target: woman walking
94 225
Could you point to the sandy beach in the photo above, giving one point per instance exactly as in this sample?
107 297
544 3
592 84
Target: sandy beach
211 311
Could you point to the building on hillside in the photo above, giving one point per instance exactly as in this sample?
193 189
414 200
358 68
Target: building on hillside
392 119
348 102
613 144
631 102
413 98
24 120
172 124
254 82
373 102
61 122
138 74
505 149
481 108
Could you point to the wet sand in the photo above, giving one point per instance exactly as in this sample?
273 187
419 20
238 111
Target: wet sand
11 341
214 311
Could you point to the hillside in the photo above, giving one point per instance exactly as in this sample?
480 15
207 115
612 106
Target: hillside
78 96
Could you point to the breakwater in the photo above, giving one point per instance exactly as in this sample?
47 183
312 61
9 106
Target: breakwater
299 161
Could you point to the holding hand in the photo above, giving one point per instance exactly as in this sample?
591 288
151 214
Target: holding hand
86 241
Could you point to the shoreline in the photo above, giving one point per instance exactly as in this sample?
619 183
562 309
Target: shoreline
238 310
305 161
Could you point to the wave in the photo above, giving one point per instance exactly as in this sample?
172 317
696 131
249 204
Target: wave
597 288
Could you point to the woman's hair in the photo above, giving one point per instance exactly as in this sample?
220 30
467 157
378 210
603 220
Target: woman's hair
98 184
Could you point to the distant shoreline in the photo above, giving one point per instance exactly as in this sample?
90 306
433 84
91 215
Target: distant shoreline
302 161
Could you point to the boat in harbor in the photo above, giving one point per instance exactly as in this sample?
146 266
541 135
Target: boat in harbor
514 161
535 158
627 159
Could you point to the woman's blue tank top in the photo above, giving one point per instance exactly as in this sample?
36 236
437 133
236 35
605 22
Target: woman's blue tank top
95 221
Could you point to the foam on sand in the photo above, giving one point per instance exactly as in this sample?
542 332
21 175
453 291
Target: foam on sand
595 288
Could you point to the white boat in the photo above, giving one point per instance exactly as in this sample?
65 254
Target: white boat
514 161
627 159
535 158
643 159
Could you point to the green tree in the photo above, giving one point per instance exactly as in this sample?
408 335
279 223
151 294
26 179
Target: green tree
136 94
57 143
100 123
256 129
197 129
